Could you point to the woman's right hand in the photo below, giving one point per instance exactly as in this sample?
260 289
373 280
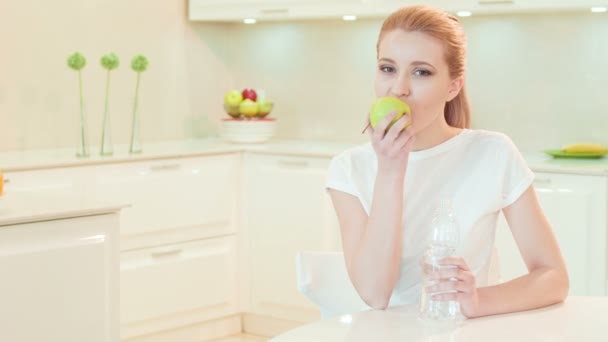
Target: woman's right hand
392 146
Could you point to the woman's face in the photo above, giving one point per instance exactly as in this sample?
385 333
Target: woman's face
412 67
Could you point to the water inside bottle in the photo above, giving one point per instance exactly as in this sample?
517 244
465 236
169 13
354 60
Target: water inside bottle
434 309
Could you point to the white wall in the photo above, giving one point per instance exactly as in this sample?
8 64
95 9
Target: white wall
529 75
39 93
542 79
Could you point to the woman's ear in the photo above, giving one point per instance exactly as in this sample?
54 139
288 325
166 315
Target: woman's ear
455 86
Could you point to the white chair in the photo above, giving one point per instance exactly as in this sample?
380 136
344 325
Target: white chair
322 277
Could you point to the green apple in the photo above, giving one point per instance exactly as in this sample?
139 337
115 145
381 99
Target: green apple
232 110
384 105
248 108
264 107
233 98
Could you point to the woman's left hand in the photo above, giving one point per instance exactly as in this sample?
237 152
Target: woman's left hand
460 279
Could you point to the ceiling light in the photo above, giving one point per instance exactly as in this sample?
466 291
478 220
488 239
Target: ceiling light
249 21
464 13
349 17
599 9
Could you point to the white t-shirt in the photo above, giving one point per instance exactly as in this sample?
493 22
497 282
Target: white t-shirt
480 171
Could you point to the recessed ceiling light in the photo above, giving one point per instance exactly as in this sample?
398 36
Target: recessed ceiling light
464 13
599 9
349 17
249 21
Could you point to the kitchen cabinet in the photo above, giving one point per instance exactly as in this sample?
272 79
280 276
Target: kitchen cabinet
286 211
46 180
59 273
575 205
177 237
237 10
172 200
187 282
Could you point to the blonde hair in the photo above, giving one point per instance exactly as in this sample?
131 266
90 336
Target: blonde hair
445 27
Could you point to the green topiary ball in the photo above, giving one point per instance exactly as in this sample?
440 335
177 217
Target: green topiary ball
76 61
110 61
139 63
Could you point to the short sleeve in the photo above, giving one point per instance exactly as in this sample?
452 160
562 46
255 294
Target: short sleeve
339 175
517 176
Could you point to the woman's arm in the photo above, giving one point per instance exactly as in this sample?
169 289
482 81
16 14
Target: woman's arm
372 245
547 280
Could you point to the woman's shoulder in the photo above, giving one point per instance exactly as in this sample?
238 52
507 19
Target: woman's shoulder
486 139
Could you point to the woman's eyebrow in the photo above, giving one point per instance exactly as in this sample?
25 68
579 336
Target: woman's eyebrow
422 63
384 59
415 63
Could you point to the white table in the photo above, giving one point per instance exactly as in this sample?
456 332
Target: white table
577 319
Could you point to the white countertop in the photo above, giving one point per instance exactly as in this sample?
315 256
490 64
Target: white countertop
42 159
577 319
18 208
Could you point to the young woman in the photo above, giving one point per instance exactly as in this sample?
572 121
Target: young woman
385 192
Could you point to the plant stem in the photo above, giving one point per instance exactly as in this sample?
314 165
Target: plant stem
134 113
82 122
105 113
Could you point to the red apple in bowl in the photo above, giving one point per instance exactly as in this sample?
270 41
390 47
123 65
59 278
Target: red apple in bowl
249 94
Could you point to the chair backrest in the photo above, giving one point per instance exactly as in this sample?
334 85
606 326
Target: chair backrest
322 277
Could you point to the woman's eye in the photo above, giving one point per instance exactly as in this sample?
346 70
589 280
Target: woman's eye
386 68
422 72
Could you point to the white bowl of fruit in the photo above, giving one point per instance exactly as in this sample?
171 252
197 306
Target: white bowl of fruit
249 121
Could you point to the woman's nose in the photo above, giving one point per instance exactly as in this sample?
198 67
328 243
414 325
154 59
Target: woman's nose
401 87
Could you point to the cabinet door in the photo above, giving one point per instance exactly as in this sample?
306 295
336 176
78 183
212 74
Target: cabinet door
236 10
172 200
60 280
575 205
49 180
287 210
177 285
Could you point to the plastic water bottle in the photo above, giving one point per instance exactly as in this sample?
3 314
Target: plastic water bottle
443 243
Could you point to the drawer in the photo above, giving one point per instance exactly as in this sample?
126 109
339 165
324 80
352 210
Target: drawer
64 179
197 279
197 195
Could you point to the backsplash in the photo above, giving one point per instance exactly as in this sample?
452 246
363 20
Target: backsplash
39 93
540 78
528 74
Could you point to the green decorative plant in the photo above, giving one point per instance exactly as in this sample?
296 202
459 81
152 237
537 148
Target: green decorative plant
110 62
77 62
139 64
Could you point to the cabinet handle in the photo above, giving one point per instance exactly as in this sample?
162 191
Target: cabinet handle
275 11
294 163
542 181
166 252
165 167
6 180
